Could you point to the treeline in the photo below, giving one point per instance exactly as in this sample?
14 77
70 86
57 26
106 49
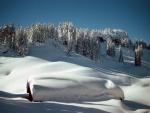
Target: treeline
80 41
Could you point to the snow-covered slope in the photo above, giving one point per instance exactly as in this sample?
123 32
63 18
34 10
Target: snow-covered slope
47 60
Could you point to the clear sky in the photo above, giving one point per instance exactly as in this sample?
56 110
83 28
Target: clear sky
132 16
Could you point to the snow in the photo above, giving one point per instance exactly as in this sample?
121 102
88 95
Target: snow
50 66
67 87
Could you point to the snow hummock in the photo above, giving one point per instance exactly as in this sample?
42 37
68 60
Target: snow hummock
67 87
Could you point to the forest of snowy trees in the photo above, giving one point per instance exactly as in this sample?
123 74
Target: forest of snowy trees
81 41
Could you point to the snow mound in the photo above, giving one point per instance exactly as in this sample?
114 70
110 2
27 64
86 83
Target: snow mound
72 88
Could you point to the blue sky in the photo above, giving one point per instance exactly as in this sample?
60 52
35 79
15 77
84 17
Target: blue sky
132 16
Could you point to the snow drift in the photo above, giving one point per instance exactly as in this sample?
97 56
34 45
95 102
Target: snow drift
72 88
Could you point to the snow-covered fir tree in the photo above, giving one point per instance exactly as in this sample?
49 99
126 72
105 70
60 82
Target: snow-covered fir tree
21 42
110 48
113 49
7 35
40 32
11 36
95 50
56 40
120 55
65 30
2 36
86 43
45 30
137 56
71 39
51 30
60 31
31 35
80 37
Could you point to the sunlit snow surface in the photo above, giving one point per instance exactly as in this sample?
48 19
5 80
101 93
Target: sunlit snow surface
74 84
72 87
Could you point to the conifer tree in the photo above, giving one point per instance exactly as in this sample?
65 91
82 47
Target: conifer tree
39 34
51 29
56 40
95 47
137 56
120 55
60 31
21 42
80 36
71 40
113 49
86 44
110 48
